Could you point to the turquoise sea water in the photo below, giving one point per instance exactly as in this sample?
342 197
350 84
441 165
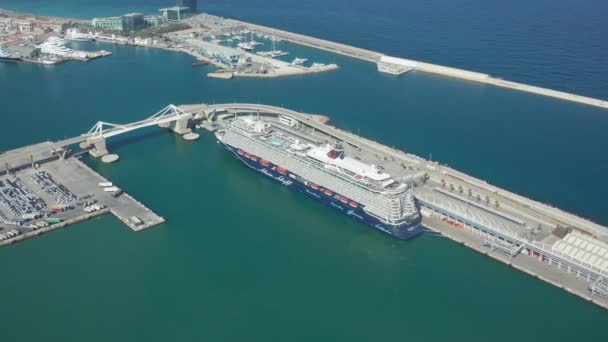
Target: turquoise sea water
559 44
243 259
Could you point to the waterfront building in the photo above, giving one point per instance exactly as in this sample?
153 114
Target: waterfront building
153 20
107 23
55 26
191 4
142 41
24 25
6 24
132 22
175 13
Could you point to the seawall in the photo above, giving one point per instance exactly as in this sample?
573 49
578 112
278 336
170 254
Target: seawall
374 57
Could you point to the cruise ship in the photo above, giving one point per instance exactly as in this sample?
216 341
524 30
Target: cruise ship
293 155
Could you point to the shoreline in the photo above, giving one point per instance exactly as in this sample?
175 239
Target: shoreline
366 55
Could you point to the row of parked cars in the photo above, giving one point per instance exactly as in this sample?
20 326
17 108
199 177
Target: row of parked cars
18 198
53 188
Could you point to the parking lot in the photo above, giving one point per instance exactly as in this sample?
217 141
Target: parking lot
57 193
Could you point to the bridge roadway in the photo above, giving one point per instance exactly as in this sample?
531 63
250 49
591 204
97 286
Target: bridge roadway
23 157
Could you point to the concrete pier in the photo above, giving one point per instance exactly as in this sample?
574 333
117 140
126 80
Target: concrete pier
81 181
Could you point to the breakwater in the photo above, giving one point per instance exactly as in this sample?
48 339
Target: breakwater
375 57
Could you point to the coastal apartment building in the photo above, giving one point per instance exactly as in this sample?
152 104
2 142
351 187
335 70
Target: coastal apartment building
128 22
9 24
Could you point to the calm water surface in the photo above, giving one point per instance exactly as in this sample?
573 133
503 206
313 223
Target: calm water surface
243 259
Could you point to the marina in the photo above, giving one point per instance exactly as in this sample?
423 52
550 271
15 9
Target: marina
240 59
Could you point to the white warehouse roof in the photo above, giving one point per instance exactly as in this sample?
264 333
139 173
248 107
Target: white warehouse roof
584 249
398 61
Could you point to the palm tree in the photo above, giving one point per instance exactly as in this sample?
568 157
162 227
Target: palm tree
470 192
487 199
443 183
452 187
478 197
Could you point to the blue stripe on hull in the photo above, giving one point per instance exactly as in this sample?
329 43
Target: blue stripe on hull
403 232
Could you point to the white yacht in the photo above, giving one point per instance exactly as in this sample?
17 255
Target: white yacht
75 35
299 61
56 46
246 46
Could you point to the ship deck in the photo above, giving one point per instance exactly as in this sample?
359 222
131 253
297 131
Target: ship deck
308 135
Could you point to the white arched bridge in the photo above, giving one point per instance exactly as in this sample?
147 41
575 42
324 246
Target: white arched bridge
177 118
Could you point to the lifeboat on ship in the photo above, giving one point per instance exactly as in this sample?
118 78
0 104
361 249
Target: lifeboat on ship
254 158
239 151
344 200
264 162
353 204
314 186
281 170
328 192
247 155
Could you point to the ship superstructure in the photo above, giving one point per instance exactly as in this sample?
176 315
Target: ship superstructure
282 149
